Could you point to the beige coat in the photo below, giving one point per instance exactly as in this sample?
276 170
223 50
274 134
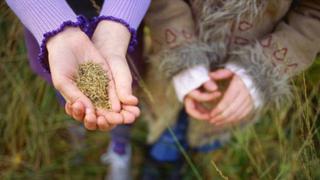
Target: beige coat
273 40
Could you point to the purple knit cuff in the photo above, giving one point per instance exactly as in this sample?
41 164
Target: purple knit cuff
81 22
133 32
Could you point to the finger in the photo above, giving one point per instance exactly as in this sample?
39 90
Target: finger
90 120
230 109
132 109
103 124
128 117
241 112
201 109
78 111
72 94
111 117
246 114
229 96
123 80
68 108
190 106
224 118
204 97
210 86
234 120
221 74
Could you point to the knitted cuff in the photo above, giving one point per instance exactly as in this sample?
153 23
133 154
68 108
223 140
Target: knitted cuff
81 22
133 40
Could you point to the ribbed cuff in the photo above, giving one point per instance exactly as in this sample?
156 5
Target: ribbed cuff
41 16
130 11
81 22
189 80
248 81
133 39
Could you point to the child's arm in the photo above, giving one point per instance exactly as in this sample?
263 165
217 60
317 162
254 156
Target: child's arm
290 49
44 19
59 33
115 26
129 13
266 67
43 16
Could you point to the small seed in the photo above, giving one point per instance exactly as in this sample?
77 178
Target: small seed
93 81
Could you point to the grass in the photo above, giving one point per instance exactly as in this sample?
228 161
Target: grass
35 143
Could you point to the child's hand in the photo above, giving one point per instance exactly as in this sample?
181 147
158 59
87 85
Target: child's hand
112 40
67 51
236 104
193 101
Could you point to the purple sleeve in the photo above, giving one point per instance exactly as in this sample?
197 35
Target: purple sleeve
44 19
127 12
130 11
42 16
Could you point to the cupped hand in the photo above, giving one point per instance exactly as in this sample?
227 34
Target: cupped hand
66 51
236 103
112 40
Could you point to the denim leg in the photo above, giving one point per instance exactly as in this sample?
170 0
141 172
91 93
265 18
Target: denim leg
166 148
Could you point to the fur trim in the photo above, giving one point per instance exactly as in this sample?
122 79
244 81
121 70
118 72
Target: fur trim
218 16
216 19
173 61
81 22
271 83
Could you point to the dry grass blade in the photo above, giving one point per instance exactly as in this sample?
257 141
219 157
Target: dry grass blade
218 170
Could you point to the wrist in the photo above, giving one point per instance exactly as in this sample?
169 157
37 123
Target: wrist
248 82
112 37
70 34
189 80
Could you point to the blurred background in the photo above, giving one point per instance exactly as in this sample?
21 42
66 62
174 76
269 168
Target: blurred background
35 142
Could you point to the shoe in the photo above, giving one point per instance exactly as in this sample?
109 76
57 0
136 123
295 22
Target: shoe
119 164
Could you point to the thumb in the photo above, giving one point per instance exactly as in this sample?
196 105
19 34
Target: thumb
210 86
72 94
204 96
221 74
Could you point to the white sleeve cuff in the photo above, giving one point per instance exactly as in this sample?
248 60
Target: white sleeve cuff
248 81
189 80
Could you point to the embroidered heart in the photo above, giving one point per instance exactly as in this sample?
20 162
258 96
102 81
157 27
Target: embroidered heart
245 25
241 41
266 42
171 37
291 66
280 54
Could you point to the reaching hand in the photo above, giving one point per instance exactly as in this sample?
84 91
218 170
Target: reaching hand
236 103
67 51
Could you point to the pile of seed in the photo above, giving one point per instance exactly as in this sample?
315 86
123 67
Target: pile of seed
93 81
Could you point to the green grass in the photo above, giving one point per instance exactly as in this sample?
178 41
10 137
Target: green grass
35 144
